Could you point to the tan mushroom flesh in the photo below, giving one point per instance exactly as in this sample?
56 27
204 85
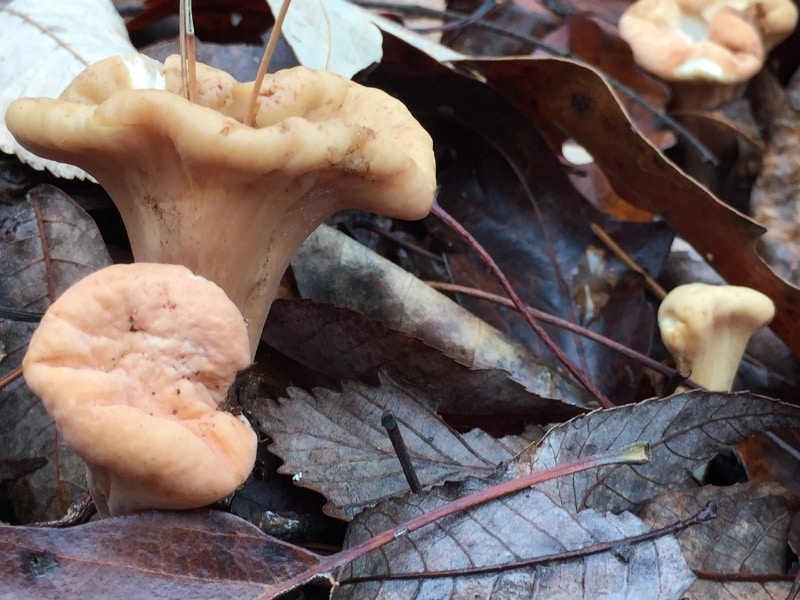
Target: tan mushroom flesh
706 46
133 363
232 202
706 329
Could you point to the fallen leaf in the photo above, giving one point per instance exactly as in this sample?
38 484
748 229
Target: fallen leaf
188 554
58 40
578 99
374 286
311 333
333 35
683 431
748 535
47 243
500 179
334 443
525 525
774 197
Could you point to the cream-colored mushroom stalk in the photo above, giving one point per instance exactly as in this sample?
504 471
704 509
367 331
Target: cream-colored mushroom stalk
707 327
197 187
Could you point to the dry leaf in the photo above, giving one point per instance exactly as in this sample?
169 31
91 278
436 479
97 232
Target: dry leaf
187 554
47 243
334 444
376 287
58 40
311 333
774 197
525 525
579 101
684 431
333 35
748 536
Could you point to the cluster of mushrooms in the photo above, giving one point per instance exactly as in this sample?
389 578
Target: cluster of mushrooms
214 209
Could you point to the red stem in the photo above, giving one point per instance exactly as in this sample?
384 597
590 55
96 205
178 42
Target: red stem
512 294
636 454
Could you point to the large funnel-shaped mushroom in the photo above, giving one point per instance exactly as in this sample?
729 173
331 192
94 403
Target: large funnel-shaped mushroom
232 202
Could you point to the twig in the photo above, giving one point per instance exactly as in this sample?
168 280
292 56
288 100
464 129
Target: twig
637 454
512 294
707 513
13 375
540 315
25 316
188 51
274 35
389 423
654 287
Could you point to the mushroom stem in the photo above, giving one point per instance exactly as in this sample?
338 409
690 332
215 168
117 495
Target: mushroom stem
706 329
251 245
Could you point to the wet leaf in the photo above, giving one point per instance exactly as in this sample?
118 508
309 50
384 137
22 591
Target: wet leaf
57 40
335 444
524 525
684 431
189 554
577 99
47 243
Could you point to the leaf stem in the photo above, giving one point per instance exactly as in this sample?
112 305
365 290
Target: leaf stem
635 454
445 217
706 513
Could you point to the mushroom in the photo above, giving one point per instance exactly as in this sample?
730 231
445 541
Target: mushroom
706 48
232 202
706 329
133 363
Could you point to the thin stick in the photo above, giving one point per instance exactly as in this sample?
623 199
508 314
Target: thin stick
262 68
642 359
512 294
188 51
654 287
636 454
707 513
12 376
389 423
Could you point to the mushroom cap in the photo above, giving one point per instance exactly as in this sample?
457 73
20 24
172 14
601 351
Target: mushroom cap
133 363
706 329
721 41
309 123
232 202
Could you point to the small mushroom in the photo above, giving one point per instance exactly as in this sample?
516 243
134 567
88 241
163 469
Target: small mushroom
232 202
133 363
706 329
707 49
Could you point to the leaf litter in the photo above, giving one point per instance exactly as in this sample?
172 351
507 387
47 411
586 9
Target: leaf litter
331 439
